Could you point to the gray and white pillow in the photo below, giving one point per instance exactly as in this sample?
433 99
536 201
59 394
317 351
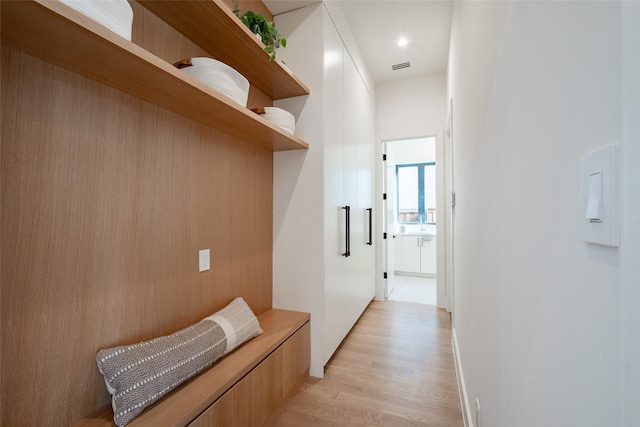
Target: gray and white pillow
139 374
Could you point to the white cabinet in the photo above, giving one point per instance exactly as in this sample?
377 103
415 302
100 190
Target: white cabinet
428 256
416 254
411 253
359 138
310 272
350 135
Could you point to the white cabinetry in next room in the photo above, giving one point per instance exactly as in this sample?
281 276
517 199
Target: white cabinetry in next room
411 253
416 254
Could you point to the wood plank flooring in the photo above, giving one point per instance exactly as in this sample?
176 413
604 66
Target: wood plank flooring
394 369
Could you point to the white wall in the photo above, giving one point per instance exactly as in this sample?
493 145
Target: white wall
298 198
539 313
420 150
410 108
630 246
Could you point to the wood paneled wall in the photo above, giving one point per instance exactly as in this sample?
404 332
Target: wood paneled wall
255 5
105 202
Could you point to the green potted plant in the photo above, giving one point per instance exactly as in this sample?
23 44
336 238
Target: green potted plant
266 31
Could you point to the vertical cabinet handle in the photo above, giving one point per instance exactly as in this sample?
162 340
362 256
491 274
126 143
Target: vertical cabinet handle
370 242
347 251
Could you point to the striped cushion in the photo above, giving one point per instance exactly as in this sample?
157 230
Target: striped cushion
138 375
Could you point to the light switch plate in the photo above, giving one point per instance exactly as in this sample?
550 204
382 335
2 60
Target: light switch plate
204 260
606 229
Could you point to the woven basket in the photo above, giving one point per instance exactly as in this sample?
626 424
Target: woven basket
116 15
219 76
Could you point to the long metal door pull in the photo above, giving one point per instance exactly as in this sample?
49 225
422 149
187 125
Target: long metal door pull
347 251
370 242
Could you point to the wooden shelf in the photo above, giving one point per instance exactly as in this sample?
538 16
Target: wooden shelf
57 34
212 26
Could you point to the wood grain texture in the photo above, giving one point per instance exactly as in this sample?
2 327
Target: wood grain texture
232 409
266 388
193 398
105 202
255 5
394 369
258 398
58 34
240 49
295 359
156 37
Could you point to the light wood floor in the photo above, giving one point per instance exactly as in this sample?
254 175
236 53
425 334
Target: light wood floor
394 369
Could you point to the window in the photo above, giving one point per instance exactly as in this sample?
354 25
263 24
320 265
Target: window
416 193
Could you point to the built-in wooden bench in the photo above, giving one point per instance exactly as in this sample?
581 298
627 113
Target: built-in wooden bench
248 387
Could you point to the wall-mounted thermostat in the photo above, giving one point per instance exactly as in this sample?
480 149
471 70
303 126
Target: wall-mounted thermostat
599 196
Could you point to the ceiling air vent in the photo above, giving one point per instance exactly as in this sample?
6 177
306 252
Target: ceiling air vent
401 66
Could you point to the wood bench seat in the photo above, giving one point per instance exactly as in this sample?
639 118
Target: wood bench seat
283 349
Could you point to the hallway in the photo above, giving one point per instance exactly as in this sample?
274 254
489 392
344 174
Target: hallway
394 369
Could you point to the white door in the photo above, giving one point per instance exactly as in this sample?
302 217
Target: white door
334 197
388 204
366 157
355 193
397 243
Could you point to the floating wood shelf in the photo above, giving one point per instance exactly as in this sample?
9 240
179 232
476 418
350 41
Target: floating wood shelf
212 26
57 34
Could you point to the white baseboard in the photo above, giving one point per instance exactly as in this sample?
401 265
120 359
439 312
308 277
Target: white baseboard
462 388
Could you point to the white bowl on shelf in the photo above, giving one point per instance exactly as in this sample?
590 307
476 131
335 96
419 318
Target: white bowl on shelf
116 15
281 118
218 76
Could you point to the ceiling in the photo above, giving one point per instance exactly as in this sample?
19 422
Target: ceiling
378 24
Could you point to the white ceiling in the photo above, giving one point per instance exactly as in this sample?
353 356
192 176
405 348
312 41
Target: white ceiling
378 24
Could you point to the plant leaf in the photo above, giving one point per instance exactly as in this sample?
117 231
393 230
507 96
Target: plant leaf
266 30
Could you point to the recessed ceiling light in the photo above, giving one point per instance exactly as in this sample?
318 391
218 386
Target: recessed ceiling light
402 42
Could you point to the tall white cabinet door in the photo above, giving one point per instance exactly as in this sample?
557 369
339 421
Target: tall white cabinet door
351 128
359 283
366 184
350 144
334 192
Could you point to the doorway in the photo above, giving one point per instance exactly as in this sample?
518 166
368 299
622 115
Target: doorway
410 179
